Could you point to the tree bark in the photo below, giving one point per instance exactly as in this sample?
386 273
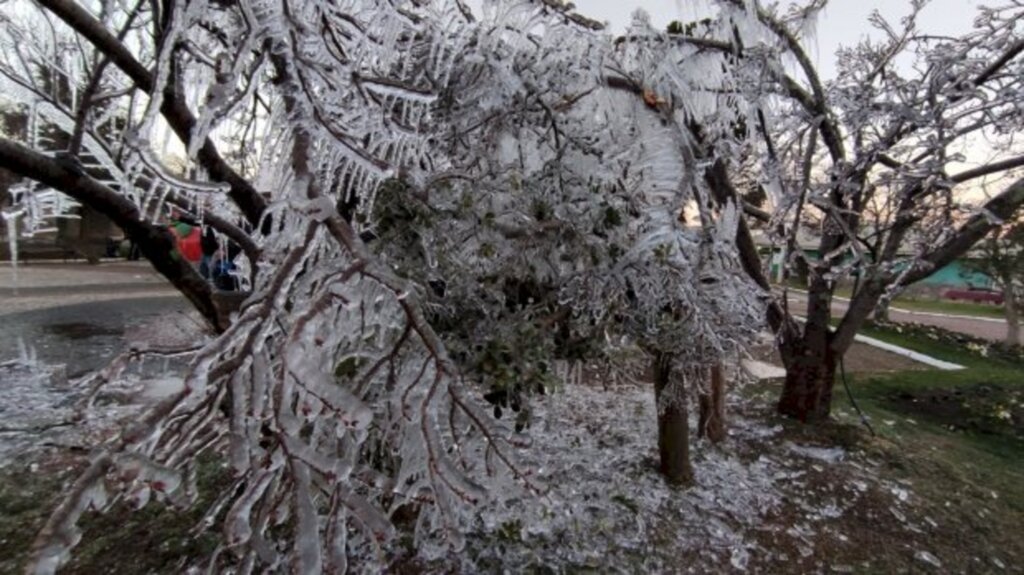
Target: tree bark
882 310
1012 319
712 407
673 424
810 377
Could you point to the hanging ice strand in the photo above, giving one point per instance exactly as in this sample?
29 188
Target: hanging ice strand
11 223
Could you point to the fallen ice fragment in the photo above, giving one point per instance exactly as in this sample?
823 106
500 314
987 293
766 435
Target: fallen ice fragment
826 454
926 557
898 515
321 209
739 558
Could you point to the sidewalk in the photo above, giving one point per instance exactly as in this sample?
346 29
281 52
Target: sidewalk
49 284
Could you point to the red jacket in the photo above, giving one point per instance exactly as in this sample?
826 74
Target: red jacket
189 241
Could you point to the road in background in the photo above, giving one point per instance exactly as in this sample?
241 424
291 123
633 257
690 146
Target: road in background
992 329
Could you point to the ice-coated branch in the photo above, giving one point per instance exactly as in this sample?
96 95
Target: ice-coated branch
173 108
154 241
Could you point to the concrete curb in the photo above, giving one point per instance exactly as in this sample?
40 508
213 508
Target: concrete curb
907 353
948 315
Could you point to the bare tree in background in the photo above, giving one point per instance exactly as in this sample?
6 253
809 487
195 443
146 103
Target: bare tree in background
878 158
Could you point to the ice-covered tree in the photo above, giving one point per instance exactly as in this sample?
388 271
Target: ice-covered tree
82 79
880 163
546 154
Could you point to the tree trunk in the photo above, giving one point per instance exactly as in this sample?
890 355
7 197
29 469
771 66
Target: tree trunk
810 376
810 358
1012 320
712 407
673 427
882 310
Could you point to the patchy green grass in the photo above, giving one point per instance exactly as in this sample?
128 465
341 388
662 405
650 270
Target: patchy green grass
927 304
949 307
982 358
155 539
937 305
958 438
25 499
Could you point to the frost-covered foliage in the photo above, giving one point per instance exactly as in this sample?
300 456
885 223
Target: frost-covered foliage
574 212
79 110
522 155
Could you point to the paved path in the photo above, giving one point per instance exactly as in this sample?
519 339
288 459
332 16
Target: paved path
47 284
82 336
79 314
79 275
992 329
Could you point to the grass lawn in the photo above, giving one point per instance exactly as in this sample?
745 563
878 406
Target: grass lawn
949 307
931 305
935 305
958 438
156 539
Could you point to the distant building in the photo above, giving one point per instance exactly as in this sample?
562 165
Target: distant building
956 275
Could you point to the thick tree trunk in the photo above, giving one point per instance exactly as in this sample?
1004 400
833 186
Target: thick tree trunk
712 407
810 376
673 425
1012 321
810 358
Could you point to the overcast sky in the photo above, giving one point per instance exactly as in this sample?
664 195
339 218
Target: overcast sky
844 22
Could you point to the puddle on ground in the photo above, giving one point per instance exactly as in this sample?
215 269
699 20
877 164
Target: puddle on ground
81 330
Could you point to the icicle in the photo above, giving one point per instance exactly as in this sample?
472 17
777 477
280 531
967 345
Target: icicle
11 223
159 205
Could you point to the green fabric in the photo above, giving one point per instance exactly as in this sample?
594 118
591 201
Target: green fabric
182 228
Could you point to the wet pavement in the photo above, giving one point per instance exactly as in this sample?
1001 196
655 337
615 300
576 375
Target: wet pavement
61 321
50 284
82 336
